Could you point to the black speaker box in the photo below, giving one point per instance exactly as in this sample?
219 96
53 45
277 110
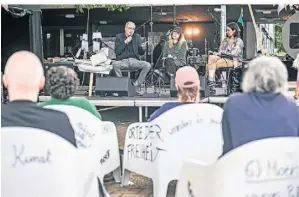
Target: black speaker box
108 86
204 90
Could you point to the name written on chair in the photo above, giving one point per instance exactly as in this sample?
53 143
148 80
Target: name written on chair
21 157
83 136
284 172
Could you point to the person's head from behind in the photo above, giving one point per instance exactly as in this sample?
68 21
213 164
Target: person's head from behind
266 75
232 30
187 84
23 76
62 82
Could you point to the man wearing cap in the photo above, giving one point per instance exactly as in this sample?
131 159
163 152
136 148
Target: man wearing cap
174 52
187 85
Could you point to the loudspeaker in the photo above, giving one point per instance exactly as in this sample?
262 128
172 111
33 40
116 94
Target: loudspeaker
108 86
204 90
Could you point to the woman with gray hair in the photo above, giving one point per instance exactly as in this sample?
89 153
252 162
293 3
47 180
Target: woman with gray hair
62 82
262 111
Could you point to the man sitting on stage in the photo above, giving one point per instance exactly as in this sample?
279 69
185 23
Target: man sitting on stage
128 49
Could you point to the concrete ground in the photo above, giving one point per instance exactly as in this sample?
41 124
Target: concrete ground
143 186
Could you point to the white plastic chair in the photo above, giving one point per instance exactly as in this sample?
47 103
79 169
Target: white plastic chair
100 136
110 160
268 167
36 162
159 148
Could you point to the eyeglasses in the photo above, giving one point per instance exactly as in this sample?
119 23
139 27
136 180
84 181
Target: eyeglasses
131 28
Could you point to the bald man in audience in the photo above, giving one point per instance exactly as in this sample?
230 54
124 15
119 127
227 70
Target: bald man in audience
24 78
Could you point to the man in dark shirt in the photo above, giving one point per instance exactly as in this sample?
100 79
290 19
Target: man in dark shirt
24 79
128 49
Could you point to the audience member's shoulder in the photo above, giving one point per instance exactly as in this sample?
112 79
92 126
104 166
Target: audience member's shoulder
3 107
53 114
237 97
81 100
42 104
290 101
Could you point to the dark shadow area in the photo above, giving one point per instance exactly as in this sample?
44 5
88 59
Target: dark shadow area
14 35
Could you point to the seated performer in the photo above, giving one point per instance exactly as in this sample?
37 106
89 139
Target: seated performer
232 46
175 51
128 48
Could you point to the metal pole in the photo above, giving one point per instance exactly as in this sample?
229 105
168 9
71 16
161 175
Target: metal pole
151 24
223 22
144 35
174 15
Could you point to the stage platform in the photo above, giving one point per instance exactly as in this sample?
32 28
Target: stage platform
149 101
142 102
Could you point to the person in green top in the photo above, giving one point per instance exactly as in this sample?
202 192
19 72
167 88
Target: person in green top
62 82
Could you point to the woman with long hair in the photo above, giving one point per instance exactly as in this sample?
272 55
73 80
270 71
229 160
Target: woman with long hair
230 52
175 51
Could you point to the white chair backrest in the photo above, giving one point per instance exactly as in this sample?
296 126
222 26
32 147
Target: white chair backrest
109 159
35 162
263 167
268 167
86 126
141 149
96 134
192 130
159 148
87 129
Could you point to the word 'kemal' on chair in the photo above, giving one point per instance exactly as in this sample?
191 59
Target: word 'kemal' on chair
158 149
36 162
99 136
268 167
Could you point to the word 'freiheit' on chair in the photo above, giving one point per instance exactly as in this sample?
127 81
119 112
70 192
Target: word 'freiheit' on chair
99 137
36 162
159 148
268 167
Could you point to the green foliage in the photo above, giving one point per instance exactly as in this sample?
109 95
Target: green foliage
278 39
80 8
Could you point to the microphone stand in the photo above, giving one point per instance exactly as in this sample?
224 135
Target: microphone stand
150 21
102 42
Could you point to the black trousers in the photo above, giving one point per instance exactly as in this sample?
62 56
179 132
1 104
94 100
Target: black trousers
170 66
